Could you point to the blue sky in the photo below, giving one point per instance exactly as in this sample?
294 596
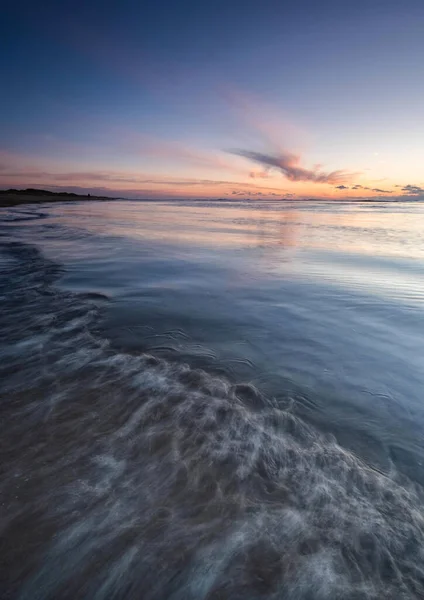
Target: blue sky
163 98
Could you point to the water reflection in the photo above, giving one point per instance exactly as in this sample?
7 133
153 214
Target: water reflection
381 229
319 306
274 230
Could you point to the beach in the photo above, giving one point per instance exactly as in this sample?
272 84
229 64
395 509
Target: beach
208 400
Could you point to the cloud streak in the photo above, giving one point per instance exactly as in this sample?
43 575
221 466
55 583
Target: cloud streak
124 183
176 152
115 178
289 165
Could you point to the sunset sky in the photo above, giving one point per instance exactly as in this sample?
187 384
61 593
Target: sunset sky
222 99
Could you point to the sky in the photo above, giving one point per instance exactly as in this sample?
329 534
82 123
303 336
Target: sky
214 99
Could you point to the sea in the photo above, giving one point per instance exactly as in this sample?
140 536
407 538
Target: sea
212 400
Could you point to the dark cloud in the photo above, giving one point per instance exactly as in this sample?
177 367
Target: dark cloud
413 190
381 191
289 166
341 187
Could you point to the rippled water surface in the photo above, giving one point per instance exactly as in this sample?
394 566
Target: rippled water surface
212 400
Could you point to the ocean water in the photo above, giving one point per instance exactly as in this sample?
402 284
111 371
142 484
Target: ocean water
212 400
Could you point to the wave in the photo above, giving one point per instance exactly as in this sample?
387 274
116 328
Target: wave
129 476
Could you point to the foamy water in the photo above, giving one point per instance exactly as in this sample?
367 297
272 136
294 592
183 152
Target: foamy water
159 444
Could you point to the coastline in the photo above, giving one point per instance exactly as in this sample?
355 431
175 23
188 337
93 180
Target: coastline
10 198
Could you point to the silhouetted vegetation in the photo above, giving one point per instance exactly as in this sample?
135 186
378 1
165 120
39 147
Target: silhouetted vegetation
13 197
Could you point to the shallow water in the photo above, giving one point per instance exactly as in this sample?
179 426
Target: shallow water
212 400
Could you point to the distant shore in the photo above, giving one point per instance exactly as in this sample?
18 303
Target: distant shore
32 196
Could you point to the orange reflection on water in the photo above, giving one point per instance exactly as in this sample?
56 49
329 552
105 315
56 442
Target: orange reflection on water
389 229
219 225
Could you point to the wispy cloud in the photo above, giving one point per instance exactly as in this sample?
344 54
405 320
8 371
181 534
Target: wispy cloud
263 123
379 191
278 143
342 187
174 151
70 177
114 178
289 165
15 173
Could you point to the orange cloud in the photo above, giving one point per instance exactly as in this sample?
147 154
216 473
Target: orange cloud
274 135
289 165
16 172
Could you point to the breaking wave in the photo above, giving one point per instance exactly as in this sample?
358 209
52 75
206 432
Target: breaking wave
129 477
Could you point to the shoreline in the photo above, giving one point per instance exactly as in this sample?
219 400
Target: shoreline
8 199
